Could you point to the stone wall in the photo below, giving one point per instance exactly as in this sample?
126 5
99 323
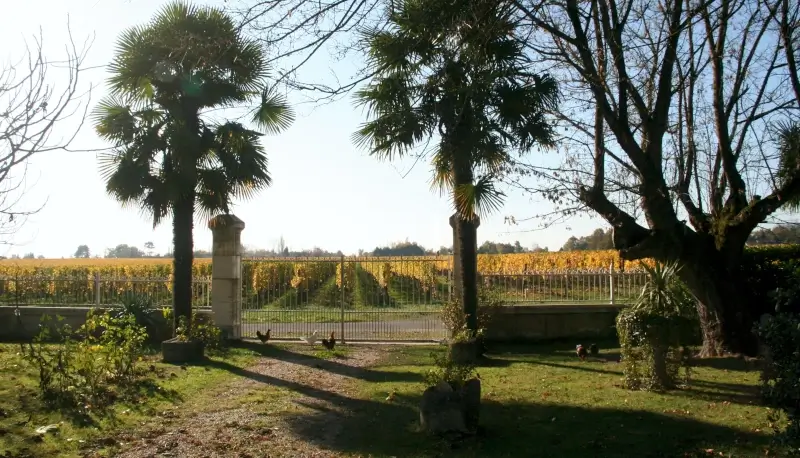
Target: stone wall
27 325
515 323
552 322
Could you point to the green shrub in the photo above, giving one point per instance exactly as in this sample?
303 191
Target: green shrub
86 369
654 331
445 370
202 329
781 374
781 378
765 269
140 307
455 320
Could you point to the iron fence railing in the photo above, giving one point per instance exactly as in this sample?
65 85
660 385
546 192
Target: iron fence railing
370 298
95 290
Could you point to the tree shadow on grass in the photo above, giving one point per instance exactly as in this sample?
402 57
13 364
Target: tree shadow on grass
330 365
717 396
390 428
376 428
556 347
729 363
581 367
720 392
22 420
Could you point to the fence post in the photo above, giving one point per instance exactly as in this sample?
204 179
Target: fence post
97 289
450 280
611 283
226 274
16 291
341 282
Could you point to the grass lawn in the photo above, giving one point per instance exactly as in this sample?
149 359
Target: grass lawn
21 410
289 400
543 399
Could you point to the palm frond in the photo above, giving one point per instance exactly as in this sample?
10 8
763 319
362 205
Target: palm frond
273 114
186 56
239 153
442 179
124 175
455 68
479 198
664 293
117 122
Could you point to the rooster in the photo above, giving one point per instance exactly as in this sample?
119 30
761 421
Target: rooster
329 343
581 351
311 340
263 337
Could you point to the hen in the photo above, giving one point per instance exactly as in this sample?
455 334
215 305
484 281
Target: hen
263 337
581 351
593 350
311 340
331 342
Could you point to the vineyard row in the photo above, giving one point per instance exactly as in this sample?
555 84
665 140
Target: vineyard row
323 283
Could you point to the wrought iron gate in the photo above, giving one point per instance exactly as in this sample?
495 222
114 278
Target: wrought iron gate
395 298
359 298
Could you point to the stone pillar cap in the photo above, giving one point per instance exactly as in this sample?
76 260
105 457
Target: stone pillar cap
225 221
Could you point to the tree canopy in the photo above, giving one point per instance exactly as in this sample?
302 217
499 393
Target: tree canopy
172 156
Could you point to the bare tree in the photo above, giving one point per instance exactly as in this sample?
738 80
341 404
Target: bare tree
295 32
669 118
32 104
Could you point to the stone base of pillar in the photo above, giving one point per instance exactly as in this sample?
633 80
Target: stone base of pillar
231 332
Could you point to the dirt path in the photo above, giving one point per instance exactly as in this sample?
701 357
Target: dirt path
254 421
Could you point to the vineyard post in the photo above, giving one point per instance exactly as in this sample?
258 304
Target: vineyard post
341 310
611 283
97 289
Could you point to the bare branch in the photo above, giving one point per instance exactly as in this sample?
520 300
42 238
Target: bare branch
295 32
31 107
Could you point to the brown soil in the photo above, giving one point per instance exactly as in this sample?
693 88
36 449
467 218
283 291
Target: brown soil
316 405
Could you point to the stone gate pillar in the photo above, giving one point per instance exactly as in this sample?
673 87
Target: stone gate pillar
226 274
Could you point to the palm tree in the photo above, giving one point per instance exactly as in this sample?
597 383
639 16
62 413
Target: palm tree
454 69
170 156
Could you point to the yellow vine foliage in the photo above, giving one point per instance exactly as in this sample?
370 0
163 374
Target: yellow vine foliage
554 262
425 270
378 269
312 274
75 277
267 277
278 275
349 275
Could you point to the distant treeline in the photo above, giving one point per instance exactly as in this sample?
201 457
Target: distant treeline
600 239
786 233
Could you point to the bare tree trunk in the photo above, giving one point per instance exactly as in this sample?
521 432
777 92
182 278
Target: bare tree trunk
722 307
661 373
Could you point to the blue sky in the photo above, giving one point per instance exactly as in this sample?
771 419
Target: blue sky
325 192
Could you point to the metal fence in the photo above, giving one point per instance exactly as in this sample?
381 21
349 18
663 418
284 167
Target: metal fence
360 298
388 298
95 290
